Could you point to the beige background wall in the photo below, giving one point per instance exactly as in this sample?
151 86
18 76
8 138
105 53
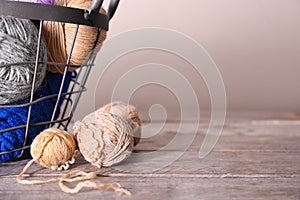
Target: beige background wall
255 44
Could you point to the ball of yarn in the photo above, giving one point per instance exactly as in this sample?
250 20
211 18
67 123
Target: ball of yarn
128 113
18 44
59 38
51 2
103 138
54 148
41 112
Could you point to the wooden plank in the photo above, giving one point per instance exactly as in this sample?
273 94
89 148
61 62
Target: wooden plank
164 188
257 150
231 164
255 158
260 137
231 117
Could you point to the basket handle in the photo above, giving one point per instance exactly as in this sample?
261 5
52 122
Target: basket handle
112 8
96 5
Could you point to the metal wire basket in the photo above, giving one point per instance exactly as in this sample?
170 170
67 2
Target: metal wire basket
43 12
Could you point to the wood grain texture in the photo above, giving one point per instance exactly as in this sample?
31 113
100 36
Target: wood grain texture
167 188
256 157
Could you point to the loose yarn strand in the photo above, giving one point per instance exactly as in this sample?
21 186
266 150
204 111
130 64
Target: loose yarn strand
79 177
88 184
32 182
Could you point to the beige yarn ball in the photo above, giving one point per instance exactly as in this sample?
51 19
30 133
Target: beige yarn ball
59 38
54 148
128 113
103 138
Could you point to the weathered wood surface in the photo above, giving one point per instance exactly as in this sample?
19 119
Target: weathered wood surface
256 157
167 188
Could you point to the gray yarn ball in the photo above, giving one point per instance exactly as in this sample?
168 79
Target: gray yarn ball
18 43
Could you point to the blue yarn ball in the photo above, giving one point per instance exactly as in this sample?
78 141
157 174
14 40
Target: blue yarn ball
41 112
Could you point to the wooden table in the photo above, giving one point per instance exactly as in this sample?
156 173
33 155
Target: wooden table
257 157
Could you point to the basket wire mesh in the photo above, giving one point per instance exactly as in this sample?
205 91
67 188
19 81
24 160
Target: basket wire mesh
90 17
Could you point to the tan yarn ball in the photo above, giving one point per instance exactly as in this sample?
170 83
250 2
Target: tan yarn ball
59 38
54 148
128 113
103 138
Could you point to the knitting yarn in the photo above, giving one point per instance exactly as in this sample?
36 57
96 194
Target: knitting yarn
128 113
41 112
54 148
51 2
103 138
18 50
59 38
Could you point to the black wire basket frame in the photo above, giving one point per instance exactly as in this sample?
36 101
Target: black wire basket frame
43 12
